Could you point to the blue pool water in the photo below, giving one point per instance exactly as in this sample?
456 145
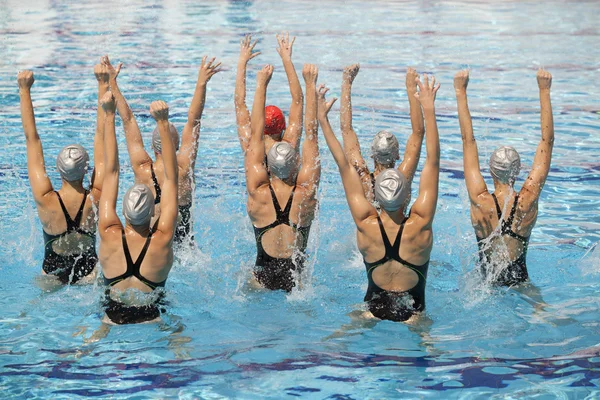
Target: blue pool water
218 340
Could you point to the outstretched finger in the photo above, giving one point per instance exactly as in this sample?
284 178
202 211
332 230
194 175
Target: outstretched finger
216 66
254 55
287 37
425 80
203 61
435 89
253 44
330 103
293 40
419 84
119 68
432 83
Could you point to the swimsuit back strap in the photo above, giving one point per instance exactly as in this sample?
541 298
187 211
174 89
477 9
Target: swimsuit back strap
72 224
133 268
386 242
498 209
396 245
77 220
275 204
156 185
288 206
511 216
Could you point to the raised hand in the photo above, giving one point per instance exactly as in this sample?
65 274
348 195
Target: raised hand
411 80
284 45
323 105
108 103
112 71
264 75
247 48
310 72
101 73
427 91
25 79
159 110
350 73
207 70
461 80
544 79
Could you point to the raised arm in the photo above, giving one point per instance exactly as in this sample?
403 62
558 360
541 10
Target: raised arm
102 76
543 155
474 180
426 203
242 115
294 128
254 161
135 145
359 206
186 158
351 144
412 152
310 174
108 220
39 181
168 201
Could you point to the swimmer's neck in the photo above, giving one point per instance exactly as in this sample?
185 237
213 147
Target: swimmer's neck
396 216
72 186
142 230
289 181
503 188
382 167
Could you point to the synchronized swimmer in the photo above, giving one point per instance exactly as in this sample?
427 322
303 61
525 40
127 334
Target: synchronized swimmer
282 181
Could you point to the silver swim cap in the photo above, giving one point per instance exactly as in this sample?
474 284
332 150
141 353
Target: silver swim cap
138 204
391 189
157 145
282 159
384 148
72 162
505 164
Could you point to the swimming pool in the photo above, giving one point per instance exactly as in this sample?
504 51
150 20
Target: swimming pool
219 341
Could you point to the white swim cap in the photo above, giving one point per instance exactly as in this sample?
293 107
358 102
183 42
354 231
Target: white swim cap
72 162
384 148
138 204
282 159
156 143
391 189
505 164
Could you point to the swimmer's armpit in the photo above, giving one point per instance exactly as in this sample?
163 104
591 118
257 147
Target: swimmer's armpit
294 127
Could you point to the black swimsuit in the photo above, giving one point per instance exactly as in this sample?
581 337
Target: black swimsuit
277 273
120 313
516 271
395 306
73 267
156 185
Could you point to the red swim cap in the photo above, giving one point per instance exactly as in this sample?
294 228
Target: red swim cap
274 121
